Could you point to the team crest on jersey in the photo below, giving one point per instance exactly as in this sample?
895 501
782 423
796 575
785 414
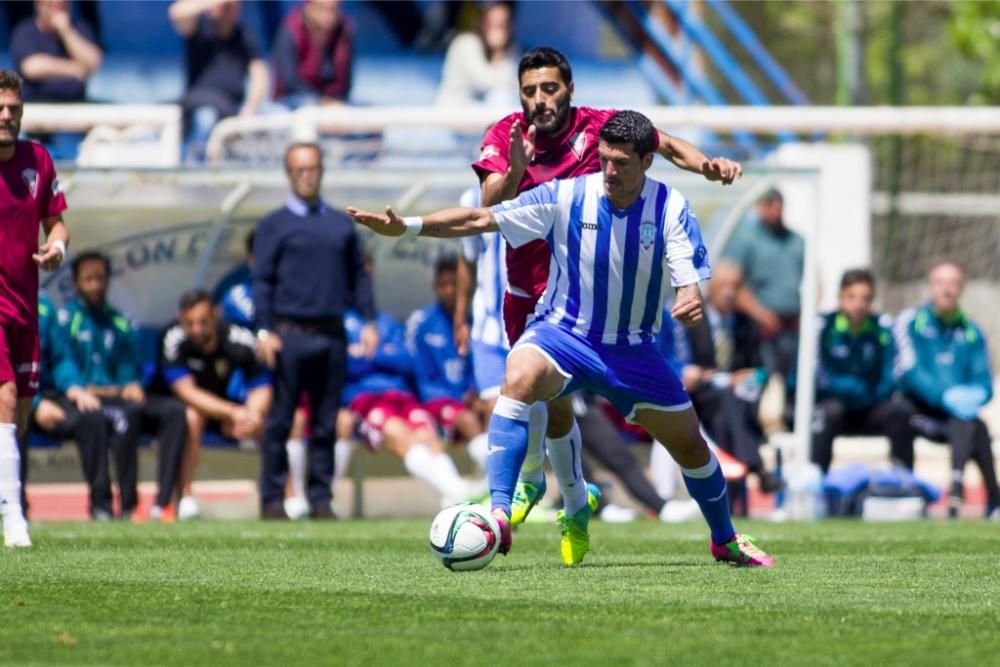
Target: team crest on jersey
489 151
30 177
578 144
647 234
221 367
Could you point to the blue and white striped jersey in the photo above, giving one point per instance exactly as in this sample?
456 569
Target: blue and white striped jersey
610 268
488 252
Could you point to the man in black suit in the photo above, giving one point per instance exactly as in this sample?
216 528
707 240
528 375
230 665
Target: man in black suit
723 372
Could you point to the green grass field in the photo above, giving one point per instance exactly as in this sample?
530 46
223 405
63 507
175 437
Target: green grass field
364 593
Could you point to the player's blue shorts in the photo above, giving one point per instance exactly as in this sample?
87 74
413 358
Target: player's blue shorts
488 364
632 377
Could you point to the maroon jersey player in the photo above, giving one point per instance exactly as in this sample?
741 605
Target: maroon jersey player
30 199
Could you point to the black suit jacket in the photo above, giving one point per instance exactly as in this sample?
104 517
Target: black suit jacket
746 343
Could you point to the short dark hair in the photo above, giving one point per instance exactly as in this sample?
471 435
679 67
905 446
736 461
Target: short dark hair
303 144
446 264
192 298
248 241
631 127
770 195
90 256
855 276
10 80
545 56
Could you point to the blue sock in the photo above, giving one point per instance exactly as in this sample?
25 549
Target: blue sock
707 487
508 444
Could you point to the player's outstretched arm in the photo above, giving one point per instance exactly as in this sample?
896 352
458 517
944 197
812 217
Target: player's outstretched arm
689 158
449 223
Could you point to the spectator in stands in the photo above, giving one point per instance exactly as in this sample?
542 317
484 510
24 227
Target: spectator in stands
212 367
854 377
771 257
944 368
379 393
99 353
220 56
481 66
722 371
313 55
75 415
444 377
54 53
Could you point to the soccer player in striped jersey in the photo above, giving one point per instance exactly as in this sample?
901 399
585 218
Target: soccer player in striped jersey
549 139
618 240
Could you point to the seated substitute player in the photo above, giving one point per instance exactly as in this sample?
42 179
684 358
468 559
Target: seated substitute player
617 240
378 392
76 416
443 376
212 367
855 384
944 369
723 373
100 353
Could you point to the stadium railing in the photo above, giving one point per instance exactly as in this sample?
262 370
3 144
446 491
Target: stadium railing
114 132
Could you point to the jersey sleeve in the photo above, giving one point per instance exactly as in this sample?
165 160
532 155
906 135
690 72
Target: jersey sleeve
172 367
52 201
494 154
687 256
530 216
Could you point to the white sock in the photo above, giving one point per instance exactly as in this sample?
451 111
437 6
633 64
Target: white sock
10 479
478 449
564 455
296 449
342 451
448 478
538 421
663 471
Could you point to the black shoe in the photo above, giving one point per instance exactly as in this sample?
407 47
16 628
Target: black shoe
274 512
322 512
769 482
955 499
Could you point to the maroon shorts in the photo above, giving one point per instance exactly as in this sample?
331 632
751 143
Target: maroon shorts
374 410
20 358
516 311
446 411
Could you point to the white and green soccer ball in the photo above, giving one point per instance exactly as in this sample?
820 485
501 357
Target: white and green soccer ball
464 537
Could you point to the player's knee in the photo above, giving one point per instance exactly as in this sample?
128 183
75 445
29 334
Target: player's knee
195 420
520 382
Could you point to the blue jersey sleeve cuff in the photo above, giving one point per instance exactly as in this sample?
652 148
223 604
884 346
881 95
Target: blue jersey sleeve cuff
174 373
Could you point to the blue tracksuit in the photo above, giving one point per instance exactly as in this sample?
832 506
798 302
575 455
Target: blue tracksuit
440 371
237 305
935 355
391 369
856 368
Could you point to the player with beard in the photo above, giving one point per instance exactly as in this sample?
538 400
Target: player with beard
551 139
30 198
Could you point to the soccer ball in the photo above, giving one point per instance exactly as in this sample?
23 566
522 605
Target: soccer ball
464 537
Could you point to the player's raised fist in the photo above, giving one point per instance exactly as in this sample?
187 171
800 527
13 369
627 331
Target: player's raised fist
388 224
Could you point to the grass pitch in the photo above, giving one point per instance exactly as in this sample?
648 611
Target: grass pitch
370 593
